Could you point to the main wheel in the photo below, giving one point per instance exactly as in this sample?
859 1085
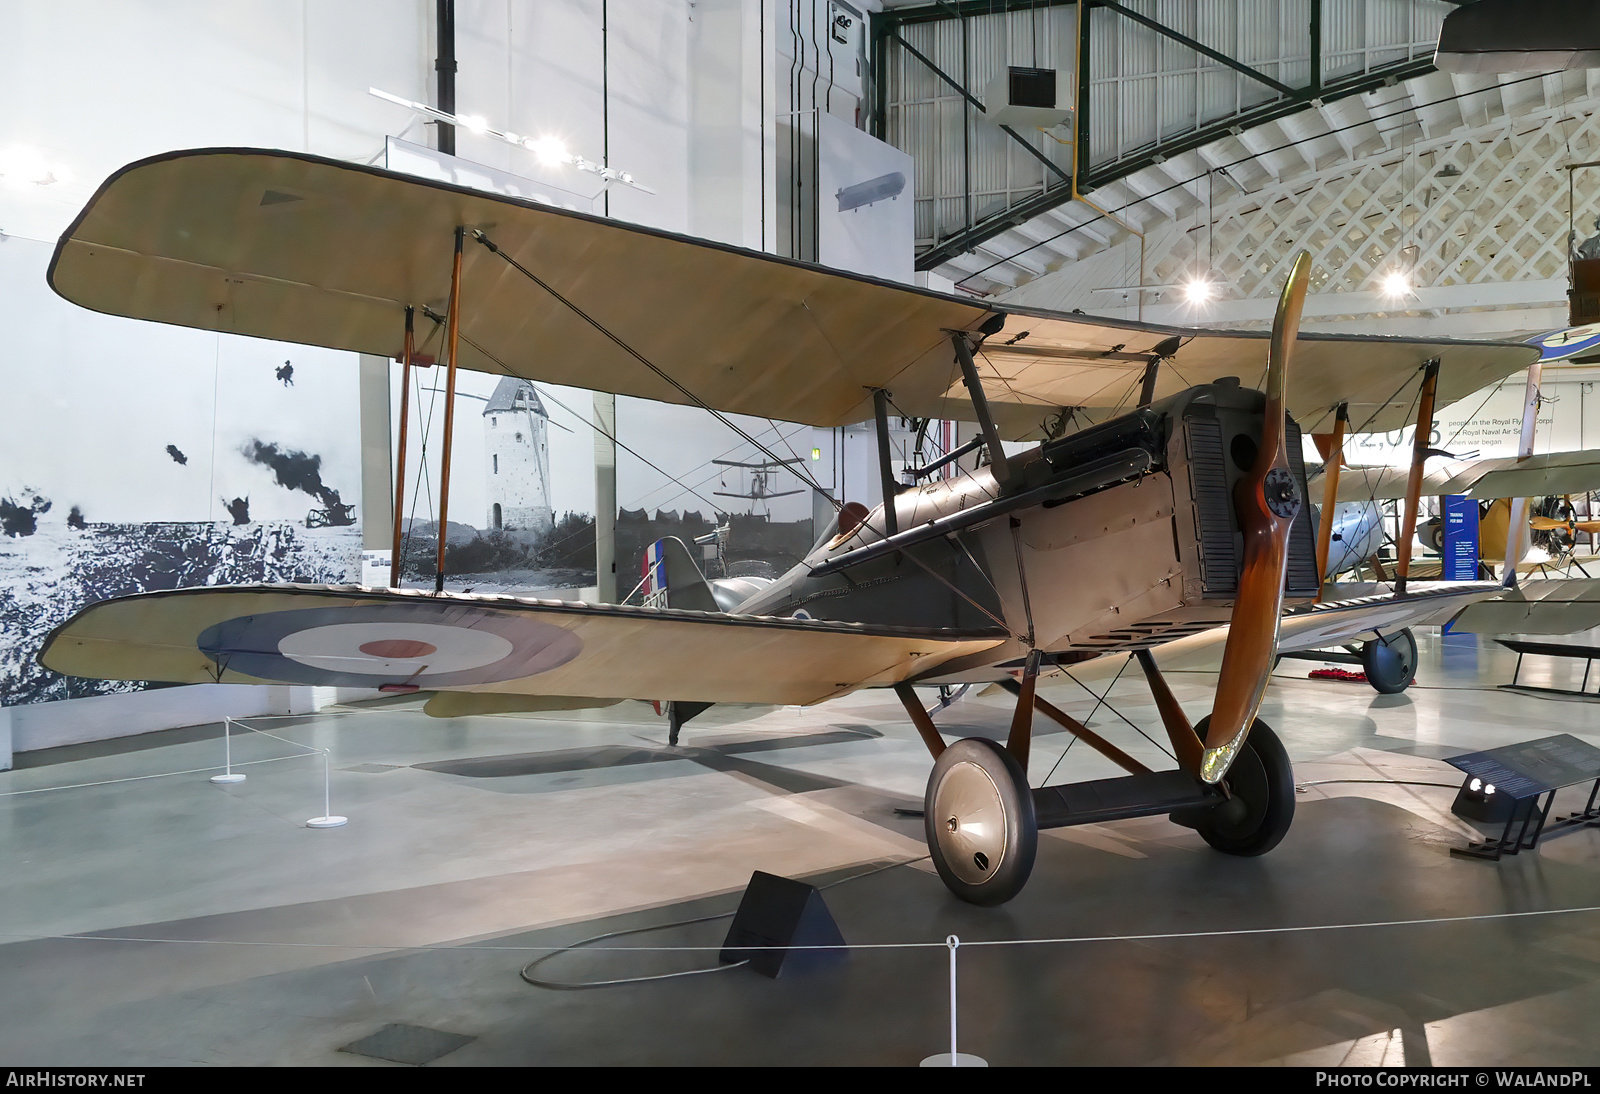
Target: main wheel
1260 805
978 812
1391 662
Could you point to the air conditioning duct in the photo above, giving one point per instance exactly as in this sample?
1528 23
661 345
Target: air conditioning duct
1026 98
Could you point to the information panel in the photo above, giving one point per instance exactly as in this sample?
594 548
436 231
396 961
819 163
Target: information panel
1533 767
1460 538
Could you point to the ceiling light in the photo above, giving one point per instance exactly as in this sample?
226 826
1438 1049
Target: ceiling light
1198 291
550 150
20 165
1396 284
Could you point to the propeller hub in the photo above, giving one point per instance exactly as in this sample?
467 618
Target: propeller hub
1281 493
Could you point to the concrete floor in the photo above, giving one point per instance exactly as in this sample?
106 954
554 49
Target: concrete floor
224 931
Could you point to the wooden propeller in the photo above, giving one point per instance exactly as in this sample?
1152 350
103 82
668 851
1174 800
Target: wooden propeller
1549 524
1266 501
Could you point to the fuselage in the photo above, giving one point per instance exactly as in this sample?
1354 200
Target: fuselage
1357 535
1119 537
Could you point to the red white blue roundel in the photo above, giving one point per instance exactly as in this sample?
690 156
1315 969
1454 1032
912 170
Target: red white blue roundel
423 645
1559 345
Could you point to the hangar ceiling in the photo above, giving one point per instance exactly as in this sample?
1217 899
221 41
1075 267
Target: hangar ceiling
1180 100
1466 199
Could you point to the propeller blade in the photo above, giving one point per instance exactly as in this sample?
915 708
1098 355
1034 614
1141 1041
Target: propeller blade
1266 501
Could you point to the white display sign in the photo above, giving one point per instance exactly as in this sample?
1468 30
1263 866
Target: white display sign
865 220
375 569
1489 424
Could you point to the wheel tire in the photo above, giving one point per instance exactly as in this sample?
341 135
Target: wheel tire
979 818
1390 663
1260 806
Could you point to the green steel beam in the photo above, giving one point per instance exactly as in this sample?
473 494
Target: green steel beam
1053 196
975 101
933 13
1198 47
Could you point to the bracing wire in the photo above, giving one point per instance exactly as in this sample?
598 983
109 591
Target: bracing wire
483 239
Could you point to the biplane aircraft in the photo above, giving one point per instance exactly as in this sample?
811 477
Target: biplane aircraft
1161 505
1357 532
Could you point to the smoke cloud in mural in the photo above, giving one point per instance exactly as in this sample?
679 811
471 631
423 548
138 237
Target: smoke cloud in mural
19 519
294 470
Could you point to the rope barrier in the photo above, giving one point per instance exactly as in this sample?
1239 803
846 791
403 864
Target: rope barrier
940 944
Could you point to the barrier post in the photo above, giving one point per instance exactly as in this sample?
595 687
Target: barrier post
327 820
954 1058
229 775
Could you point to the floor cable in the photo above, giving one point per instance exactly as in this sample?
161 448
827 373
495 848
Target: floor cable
563 985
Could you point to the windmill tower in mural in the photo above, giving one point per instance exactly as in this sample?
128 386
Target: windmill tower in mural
517 458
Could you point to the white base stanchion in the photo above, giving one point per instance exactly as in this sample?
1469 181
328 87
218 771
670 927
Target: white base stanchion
962 1059
953 1058
327 820
229 775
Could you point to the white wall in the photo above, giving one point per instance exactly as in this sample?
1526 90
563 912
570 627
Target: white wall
91 85
102 717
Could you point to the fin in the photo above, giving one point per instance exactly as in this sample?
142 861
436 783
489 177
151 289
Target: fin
675 571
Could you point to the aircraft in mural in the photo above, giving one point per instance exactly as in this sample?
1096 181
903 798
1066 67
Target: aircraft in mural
1160 508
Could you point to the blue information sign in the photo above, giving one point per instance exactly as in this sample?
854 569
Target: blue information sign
1460 538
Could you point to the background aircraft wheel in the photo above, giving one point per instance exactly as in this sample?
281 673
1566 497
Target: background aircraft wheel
1391 662
978 812
1432 534
1261 806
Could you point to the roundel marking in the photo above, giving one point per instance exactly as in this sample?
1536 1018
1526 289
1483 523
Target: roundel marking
394 647
421 644
384 649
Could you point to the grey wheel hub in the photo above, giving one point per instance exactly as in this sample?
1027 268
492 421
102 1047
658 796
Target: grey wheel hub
971 822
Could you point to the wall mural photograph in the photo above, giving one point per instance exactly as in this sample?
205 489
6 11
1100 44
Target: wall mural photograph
136 458
521 511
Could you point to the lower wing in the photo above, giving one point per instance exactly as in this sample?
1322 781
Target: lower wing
1352 612
1546 606
407 641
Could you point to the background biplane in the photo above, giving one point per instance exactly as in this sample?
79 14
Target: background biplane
1162 505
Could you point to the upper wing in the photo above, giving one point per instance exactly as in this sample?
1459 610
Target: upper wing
1503 477
1049 360
298 248
352 637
